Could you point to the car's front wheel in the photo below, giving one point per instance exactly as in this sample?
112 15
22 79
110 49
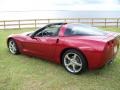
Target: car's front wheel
73 61
13 47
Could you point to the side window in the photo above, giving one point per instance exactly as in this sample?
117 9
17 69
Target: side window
49 31
68 31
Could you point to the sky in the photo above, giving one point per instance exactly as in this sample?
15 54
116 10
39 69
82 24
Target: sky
83 5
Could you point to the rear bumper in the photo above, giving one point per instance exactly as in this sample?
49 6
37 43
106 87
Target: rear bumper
99 61
106 60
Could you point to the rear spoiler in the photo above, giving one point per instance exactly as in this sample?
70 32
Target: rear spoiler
112 36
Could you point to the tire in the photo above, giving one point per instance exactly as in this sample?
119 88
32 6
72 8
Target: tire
73 61
13 47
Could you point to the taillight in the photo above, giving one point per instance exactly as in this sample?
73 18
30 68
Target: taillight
111 43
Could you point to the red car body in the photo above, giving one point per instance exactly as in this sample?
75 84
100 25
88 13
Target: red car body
98 50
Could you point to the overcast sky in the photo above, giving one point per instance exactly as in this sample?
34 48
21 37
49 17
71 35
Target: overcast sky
29 5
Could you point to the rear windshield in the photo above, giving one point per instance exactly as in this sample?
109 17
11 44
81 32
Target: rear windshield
84 30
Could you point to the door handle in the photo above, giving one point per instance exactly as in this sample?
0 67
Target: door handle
57 41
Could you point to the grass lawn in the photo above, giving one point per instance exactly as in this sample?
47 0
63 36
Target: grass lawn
20 72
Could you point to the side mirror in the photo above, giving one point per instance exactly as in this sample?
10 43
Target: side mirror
32 36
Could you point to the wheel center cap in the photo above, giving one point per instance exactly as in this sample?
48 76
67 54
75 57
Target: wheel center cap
73 61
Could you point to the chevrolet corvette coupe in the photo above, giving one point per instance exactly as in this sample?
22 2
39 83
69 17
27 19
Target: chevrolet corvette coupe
77 47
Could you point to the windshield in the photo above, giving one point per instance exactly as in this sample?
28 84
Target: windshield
84 30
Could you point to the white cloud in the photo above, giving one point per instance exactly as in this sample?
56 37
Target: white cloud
26 5
16 5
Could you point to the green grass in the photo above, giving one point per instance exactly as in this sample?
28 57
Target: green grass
20 72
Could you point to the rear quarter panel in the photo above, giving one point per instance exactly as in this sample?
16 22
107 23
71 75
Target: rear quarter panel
92 50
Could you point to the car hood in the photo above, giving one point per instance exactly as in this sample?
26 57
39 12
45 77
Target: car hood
21 34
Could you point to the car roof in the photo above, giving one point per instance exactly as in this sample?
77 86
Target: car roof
56 24
70 25
76 25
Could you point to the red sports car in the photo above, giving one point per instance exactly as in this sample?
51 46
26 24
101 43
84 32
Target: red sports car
75 46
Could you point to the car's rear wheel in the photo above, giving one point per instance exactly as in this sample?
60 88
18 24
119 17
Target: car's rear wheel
13 47
73 61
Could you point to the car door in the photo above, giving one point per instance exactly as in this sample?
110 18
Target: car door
44 42
30 46
46 46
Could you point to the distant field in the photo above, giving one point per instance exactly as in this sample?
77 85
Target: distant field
20 72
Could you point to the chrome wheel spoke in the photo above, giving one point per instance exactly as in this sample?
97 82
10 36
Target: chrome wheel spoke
74 57
10 46
67 57
78 64
68 64
74 69
14 49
